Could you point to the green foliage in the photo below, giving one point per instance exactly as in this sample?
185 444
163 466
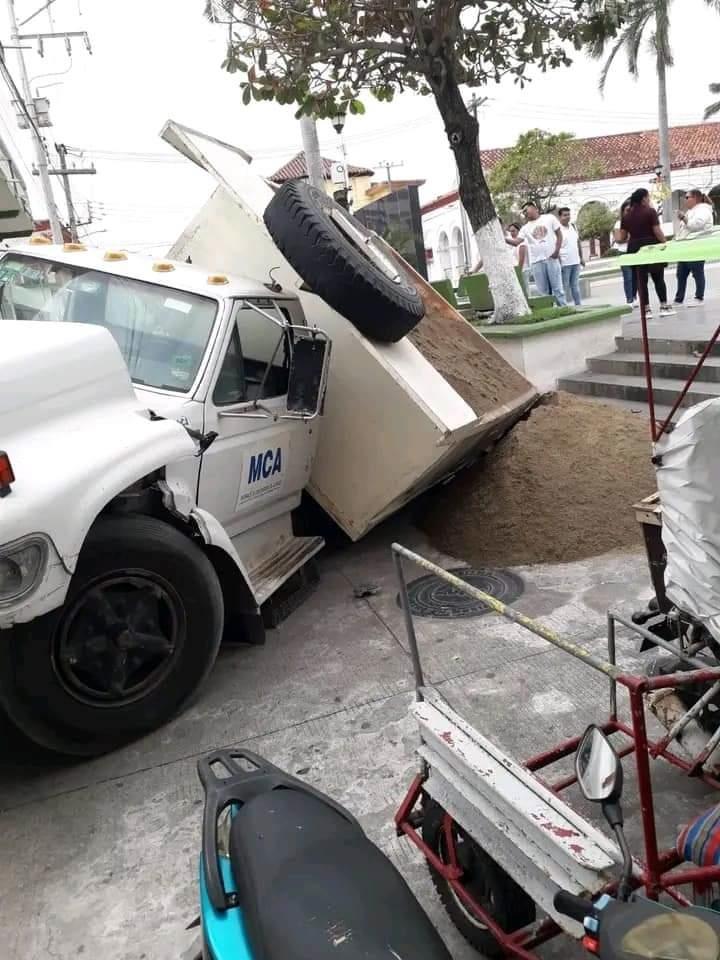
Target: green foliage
537 316
714 108
595 220
638 18
320 55
534 169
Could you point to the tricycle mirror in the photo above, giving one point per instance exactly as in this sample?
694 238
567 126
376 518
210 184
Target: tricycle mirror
306 385
598 768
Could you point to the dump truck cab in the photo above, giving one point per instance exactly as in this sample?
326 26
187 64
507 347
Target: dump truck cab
140 389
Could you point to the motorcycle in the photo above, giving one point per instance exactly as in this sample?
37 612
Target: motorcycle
625 926
288 873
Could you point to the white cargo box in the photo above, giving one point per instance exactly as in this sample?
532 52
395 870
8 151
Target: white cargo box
393 424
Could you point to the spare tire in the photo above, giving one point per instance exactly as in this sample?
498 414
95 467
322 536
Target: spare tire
338 259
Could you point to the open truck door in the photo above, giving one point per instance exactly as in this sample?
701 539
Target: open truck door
393 425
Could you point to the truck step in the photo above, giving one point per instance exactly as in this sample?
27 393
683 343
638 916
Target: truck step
273 571
291 595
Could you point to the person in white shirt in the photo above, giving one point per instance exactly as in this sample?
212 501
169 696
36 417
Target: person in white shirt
697 219
571 257
543 237
520 254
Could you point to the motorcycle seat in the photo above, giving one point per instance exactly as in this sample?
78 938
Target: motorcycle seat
313 887
699 841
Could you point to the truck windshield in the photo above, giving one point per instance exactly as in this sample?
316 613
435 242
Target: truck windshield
162 333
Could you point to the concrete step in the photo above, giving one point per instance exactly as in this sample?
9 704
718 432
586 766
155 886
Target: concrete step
665 346
624 387
669 366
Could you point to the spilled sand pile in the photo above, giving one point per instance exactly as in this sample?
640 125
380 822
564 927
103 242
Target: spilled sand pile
559 487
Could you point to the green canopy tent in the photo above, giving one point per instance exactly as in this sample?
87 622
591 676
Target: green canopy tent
705 247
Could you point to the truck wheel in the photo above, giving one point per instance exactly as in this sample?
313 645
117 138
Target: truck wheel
137 635
337 258
489 885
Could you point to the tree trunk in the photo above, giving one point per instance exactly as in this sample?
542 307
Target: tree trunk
313 161
664 137
462 133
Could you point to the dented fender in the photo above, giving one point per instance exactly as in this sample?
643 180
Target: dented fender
179 500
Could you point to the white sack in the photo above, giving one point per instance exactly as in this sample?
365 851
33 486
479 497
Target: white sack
689 485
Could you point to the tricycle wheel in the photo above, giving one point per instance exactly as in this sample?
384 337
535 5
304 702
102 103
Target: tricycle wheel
488 884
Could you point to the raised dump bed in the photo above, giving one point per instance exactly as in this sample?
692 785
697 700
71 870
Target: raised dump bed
398 417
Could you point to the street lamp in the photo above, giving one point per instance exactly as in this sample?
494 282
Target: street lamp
338 122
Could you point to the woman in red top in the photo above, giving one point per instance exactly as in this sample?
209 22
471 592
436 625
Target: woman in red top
640 227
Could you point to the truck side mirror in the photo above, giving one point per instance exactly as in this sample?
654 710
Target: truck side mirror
308 375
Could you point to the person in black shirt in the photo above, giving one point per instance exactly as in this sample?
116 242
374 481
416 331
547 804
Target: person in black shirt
640 227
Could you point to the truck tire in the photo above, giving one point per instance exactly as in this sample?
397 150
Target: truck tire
499 895
335 255
136 637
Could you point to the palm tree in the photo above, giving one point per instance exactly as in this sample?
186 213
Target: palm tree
639 17
714 108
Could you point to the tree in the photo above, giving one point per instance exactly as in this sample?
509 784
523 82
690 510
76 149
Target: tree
322 55
714 108
595 221
641 16
534 169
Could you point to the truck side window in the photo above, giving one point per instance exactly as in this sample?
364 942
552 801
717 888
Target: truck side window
230 385
266 352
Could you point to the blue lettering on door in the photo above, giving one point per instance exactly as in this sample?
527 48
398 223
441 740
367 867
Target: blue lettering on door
264 465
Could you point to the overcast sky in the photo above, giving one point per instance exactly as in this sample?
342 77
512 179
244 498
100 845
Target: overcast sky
159 59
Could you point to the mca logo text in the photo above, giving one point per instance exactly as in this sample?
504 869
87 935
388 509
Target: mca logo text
265 465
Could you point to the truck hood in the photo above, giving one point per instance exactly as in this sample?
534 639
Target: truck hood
75 432
49 370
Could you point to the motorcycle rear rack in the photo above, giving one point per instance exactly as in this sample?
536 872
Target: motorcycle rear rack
244 775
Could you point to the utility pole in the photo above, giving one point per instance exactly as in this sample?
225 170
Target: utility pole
474 106
64 173
389 165
311 147
475 103
41 157
33 112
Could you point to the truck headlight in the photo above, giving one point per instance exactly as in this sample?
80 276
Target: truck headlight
22 564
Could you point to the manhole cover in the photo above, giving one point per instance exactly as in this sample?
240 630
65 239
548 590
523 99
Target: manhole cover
430 596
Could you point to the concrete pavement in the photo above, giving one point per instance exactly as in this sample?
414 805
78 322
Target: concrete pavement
99 859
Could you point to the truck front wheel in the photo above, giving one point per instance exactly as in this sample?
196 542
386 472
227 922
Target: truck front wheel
137 635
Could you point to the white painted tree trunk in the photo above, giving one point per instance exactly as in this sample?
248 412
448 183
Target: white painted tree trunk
664 136
498 264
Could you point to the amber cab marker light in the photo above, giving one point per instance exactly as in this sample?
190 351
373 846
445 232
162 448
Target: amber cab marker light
163 267
7 477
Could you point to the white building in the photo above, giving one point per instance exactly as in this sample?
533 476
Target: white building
629 161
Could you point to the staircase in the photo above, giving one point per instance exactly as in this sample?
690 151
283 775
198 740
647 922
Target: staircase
619 377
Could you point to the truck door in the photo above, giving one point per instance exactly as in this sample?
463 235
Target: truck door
257 467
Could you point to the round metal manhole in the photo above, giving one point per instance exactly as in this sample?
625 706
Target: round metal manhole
430 596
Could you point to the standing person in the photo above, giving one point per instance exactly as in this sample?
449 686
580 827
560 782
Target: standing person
543 237
520 253
629 274
698 219
571 257
640 227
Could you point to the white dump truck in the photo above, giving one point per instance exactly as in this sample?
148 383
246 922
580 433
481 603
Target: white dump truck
160 420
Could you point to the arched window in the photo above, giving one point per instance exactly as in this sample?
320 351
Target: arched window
457 253
443 250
